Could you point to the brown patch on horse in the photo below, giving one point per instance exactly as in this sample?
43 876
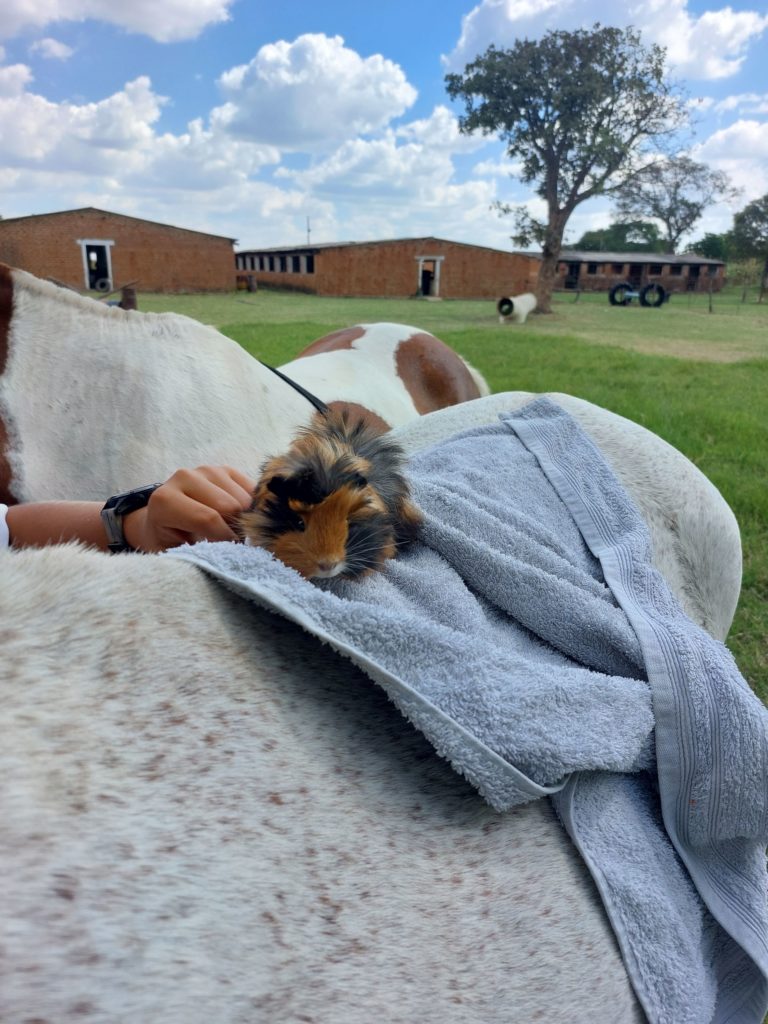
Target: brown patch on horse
6 312
434 375
333 342
357 411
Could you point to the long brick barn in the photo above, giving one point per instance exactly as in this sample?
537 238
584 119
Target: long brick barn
98 250
600 271
399 267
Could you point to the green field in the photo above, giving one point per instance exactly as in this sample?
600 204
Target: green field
697 378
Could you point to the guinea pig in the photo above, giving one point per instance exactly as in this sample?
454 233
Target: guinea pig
336 503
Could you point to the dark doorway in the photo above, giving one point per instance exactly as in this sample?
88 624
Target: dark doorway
98 268
572 276
427 279
635 274
693 278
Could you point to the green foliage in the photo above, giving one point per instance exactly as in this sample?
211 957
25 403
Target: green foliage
674 191
750 230
632 236
714 247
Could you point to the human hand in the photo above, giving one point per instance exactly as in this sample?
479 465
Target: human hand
193 504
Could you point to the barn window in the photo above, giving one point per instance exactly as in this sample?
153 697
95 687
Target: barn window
283 264
654 268
270 263
592 268
295 264
310 264
676 270
617 268
713 270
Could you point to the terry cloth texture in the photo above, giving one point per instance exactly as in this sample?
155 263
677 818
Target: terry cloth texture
528 636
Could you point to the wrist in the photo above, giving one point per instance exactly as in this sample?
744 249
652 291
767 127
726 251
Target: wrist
116 512
133 528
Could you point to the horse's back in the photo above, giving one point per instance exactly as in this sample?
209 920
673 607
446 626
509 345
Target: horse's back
209 816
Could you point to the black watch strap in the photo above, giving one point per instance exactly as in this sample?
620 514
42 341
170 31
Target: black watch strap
120 505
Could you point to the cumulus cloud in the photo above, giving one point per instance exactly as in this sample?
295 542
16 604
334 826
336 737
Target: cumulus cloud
497 168
440 131
165 21
741 150
117 137
14 79
744 103
311 94
51 49
707 46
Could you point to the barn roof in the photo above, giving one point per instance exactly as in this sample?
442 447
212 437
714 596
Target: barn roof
588 256
110 213
320 246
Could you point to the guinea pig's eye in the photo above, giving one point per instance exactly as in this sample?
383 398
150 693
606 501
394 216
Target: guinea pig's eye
298 523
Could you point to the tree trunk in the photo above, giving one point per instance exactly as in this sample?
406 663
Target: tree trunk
553 241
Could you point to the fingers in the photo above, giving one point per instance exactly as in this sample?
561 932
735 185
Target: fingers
196 504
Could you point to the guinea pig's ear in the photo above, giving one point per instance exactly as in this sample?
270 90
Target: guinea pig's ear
278 485
303 485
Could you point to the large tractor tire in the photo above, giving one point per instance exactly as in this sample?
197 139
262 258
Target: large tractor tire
618 294
653 295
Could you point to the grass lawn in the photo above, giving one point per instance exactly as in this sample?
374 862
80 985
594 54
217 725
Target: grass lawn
698 379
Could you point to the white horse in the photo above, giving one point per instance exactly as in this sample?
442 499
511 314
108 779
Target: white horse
208 816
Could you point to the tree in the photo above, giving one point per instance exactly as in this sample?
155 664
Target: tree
578 109
749 236
715 247
676 192
633 236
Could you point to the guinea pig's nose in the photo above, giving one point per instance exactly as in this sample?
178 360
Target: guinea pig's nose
328 567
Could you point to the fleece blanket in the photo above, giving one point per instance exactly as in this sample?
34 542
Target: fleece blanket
531 640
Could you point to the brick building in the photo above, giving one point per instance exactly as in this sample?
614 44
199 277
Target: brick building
600 271
94 249
399 267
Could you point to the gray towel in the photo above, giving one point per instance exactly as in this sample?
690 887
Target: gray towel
530 639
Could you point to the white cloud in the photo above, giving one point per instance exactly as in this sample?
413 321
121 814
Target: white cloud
744 103
163 20
375 167
66 136
311 94
741 150
116 137
51 49
502 167
440 131
14 79
710 45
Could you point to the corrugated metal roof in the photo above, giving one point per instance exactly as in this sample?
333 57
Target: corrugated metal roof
586 256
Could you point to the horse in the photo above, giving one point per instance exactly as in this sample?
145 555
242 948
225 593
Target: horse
87 391
208 815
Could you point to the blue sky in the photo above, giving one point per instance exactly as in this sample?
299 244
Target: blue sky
245 118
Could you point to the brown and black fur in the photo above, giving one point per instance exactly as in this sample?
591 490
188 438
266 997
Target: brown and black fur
336 503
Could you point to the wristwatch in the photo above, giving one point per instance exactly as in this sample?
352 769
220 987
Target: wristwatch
120 505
